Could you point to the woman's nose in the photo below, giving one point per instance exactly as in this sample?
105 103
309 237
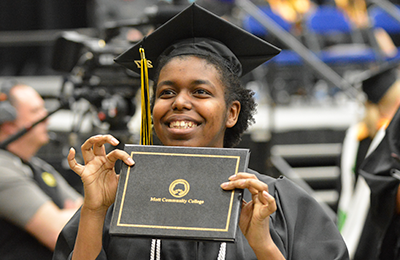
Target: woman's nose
182 101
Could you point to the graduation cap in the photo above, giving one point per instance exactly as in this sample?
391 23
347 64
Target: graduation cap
377 81
194 31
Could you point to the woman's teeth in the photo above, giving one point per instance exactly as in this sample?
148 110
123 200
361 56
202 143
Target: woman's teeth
182 124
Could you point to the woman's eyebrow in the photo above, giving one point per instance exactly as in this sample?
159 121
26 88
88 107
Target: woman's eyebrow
194 82
165 82
203 82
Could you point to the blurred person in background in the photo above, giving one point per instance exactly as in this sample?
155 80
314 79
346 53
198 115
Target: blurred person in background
382 89
381 172
35 200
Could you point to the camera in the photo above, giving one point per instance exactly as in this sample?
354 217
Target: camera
89 64
88 61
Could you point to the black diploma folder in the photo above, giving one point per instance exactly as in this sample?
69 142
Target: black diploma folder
174 192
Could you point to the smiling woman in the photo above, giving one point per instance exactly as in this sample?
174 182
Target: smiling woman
189 107
232 91
198 101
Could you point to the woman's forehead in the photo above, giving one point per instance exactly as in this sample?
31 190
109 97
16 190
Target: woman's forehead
191 60
189 64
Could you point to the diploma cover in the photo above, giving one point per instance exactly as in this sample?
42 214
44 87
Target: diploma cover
174 192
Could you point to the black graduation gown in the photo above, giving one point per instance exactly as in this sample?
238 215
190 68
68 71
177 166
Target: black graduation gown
300 228
380 170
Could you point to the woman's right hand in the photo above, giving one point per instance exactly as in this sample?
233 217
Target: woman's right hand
98 175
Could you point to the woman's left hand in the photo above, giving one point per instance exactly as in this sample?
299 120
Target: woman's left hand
254 217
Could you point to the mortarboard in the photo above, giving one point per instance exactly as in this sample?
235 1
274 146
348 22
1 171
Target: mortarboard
196 30
377 81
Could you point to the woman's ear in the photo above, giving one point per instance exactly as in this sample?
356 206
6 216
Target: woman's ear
233 114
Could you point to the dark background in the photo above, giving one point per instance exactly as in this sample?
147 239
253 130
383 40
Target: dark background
30 58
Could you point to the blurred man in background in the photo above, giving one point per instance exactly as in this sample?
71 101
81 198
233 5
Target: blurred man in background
35 201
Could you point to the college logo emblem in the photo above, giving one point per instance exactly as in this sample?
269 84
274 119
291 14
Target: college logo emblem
179 188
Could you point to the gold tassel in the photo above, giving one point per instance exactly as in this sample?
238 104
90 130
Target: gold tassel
146 137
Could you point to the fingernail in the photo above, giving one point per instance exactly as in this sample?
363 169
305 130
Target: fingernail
130 161
266 194
232 177
114 140
225 184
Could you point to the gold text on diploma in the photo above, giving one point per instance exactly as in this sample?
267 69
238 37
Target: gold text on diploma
183 201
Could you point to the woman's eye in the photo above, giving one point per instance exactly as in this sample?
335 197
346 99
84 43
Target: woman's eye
166 93
201 92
